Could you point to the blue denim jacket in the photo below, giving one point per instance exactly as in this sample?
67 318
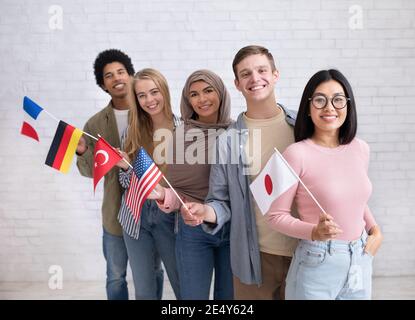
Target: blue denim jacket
229 195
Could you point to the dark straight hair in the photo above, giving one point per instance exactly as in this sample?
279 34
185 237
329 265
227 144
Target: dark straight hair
304 126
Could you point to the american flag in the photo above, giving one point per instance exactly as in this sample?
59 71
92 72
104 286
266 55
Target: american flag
144 179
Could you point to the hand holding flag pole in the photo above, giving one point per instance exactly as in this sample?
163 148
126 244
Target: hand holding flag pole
323 230
174 191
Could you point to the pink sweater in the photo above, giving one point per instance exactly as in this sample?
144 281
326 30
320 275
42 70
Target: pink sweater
338 180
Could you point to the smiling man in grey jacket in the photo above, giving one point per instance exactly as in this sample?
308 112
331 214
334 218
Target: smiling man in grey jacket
260 256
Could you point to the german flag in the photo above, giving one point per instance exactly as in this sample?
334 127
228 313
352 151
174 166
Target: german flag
63 147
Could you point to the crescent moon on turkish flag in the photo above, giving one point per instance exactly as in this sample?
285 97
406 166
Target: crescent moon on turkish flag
106 156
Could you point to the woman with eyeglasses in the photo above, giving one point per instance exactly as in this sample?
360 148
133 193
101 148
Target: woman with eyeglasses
333 259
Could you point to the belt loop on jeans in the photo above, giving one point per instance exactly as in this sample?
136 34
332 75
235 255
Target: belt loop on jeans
330 247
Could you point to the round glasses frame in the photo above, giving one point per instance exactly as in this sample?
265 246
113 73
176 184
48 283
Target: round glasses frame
327 99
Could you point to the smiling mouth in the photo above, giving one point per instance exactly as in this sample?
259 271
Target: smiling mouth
256 88
119 86
153 106
329 118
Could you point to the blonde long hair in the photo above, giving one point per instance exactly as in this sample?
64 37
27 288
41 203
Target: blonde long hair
140 125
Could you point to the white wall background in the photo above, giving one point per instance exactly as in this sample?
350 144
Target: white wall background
48 218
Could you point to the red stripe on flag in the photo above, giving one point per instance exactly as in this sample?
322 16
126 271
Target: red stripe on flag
139 190
60 154
29 131
147 185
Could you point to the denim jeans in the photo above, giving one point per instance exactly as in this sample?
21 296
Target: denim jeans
330 270
155 244
198 254
115 254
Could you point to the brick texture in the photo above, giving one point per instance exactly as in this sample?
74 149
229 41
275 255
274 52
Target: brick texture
47 218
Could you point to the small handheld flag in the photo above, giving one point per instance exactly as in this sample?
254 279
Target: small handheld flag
31 107
146 175
29 131
105 157
274 180
63 147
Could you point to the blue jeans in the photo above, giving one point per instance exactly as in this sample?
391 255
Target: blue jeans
330 270
115 254
155 244
198 253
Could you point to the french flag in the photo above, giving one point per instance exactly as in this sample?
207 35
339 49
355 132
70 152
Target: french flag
33 110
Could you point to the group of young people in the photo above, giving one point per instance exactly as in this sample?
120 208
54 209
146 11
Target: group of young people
295 250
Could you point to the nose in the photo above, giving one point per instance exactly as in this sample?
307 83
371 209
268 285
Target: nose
117 77
255 76
202 98
329 105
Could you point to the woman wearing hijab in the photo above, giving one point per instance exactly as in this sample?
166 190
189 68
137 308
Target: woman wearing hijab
205 110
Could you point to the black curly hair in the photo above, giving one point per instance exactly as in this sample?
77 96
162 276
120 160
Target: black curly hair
109 56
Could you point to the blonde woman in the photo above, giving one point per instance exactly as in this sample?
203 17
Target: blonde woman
152 238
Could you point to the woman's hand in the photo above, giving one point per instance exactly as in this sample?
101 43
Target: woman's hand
326 229
158 193
374 240
122 164
193 214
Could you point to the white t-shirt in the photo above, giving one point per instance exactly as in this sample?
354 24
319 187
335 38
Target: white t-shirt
121 116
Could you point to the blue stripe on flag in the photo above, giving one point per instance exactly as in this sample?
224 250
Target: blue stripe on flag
31 107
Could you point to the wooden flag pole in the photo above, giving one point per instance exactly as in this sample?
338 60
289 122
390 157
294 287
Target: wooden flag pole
180 199
301 181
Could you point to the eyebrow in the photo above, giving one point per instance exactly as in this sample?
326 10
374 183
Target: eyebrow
142 92
321 93
207 87
257 67
118 70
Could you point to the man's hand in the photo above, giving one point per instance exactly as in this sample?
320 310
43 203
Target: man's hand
82 147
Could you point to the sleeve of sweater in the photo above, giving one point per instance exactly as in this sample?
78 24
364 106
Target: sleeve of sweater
170 202
124 177
279 216
85 161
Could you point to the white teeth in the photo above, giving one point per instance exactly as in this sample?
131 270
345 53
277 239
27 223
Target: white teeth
329 117
257 88
118 86
152 106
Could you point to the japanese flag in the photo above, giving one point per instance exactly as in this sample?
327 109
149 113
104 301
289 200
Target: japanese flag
274 180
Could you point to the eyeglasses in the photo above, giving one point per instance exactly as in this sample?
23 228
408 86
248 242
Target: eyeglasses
319 101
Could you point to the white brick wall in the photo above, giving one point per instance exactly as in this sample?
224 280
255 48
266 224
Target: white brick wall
47 218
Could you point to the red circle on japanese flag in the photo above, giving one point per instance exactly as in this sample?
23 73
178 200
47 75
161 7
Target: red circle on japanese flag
268 184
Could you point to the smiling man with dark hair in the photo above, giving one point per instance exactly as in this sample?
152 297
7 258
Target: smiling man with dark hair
114 74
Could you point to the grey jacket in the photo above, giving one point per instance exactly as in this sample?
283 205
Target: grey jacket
229 195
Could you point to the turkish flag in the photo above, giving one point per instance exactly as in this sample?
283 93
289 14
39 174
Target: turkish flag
105 157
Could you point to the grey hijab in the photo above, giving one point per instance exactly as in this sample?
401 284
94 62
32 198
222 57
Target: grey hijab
211 78
192 180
